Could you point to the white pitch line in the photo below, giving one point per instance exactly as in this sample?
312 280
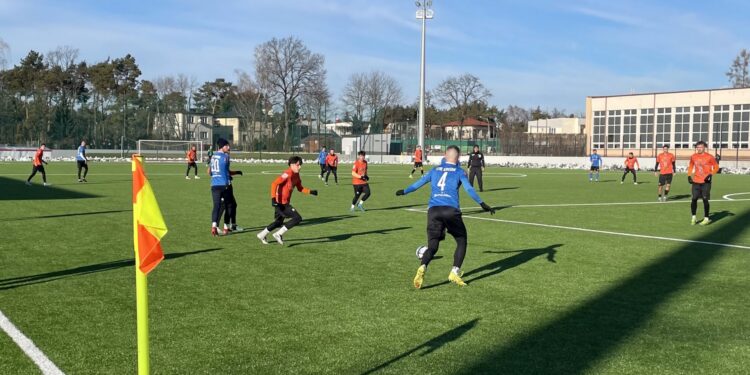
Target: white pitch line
617 203
729 196
597 231
28 347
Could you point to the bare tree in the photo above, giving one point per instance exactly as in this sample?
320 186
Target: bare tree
460 93
247 101
286 66
354 95
738 73
63 57
372 92
4 54
186 85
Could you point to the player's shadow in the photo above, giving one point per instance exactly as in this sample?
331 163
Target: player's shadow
500 189
428 346
343 236
716 216
395 207
324 220
678 197
17 190
66 215
15 282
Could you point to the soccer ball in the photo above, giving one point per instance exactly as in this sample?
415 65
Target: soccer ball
420 251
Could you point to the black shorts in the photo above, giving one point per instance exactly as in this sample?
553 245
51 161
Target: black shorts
38 168
593 168
417 164
665 179
81 163
191 164
361 188
444 218
702 191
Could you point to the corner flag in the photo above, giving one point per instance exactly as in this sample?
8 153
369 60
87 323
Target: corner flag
148 229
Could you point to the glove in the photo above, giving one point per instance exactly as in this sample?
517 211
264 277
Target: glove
273 202
313 192
238 173
708 179
690 179
487 208
366 177
400 192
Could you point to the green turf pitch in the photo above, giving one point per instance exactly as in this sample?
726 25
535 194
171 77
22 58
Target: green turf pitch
338 297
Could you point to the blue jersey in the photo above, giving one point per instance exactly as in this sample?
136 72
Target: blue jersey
220 169
596 160
322 157
445 181
81 154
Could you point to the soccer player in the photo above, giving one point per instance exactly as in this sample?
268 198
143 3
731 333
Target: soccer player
631 164
664 169
701 168
332 165
417 162
596 163
444 213
360 182
476 167
221 186
210 153
281 197
38 163
82 161
322 161
192 157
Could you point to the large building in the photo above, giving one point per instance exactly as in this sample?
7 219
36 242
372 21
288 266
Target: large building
642 123
562 125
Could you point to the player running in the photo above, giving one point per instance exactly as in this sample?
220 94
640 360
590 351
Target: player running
322 161
360 182
38 163
417 162
192 157
82 161
701 168
664 169
596 163
444 213
332 165
631 165
476 167
221 187
281 197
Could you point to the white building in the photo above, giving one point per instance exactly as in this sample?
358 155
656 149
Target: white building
563 125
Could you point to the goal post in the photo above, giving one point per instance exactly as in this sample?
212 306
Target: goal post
168 150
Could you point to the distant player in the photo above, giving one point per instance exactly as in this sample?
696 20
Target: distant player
664 169
631 165
417 162
596 164
476 167
360 181
38 165
221 187
192 158
701 168
210 153
332 165
82 161
444 213
281 198
322 161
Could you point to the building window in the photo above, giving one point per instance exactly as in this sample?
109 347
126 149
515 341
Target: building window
647 128
597 135
740 125
191 135
663 126
682 127
203 120
700 124
204 135
721 126
629 128
190 119
614 129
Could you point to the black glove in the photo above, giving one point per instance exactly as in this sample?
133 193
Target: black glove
313 192
690 179
400 192
708 179
487 208
366 177
238 173
273 202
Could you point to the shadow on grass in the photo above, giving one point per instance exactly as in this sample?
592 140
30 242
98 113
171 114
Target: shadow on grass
678 197
429 346
396 207
66 215
500 189
584 336
17 190
343 236
15 282
324 220
716 216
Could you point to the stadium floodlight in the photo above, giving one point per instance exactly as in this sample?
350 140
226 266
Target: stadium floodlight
424 13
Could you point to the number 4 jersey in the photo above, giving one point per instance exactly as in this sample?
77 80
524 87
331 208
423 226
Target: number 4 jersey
445 181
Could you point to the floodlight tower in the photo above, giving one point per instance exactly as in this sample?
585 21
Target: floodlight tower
424 13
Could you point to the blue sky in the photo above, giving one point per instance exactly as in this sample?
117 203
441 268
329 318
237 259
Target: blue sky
547 53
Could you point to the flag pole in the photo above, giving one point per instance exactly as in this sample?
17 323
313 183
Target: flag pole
141 296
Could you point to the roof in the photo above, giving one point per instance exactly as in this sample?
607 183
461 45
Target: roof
470 121
667 92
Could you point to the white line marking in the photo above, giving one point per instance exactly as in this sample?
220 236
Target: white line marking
618 203
28 347
596 231
729 196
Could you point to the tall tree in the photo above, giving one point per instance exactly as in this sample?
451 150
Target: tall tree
459 93
4 55
214 97
285 67
738 73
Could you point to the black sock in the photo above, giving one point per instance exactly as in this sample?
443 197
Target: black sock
666 192
694 206
705 208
